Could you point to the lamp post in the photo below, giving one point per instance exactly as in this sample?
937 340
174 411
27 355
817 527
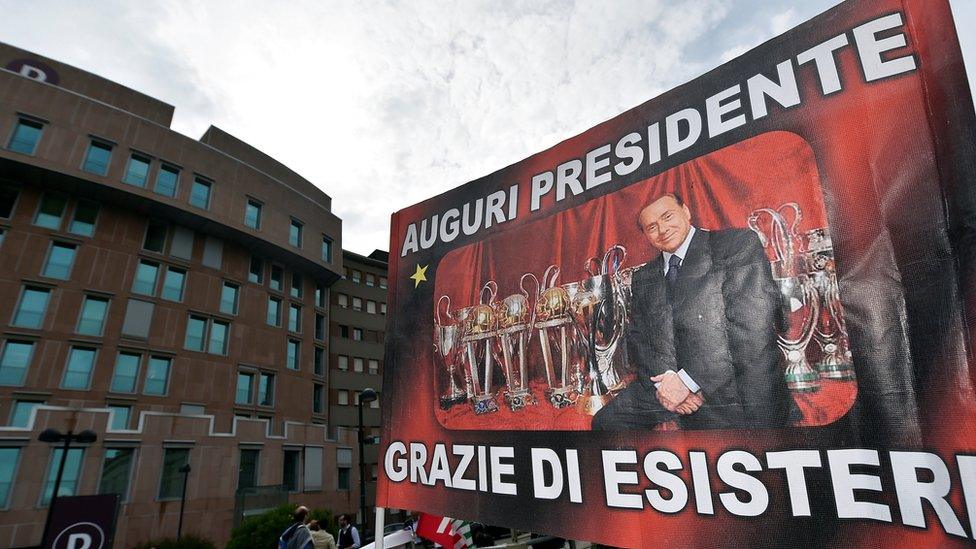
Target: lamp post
367 395
54 436
186 473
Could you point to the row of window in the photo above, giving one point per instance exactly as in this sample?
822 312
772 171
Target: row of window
357 304
358 334
119 463
27 135
276 277
342 363
342 398
370 279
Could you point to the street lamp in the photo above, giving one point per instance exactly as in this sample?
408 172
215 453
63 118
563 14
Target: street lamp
186 473
367 395
54 436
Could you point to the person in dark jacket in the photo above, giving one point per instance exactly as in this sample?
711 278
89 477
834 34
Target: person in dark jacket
702 332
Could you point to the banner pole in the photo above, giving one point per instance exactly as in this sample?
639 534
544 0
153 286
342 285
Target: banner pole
379 522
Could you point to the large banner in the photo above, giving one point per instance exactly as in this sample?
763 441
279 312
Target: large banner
740 313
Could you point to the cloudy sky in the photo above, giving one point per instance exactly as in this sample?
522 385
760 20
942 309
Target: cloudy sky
384 104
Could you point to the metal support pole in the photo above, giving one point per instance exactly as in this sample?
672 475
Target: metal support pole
186 474
57 487
379 524
362 472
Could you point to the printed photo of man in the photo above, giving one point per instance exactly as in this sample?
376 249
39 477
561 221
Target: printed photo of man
702 333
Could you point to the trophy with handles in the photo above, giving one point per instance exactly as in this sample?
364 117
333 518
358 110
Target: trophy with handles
480 326
514 318
558 341
447 346
800 301
830 332
600 313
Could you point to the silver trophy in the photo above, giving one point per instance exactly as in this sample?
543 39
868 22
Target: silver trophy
448 348
831 330
514 328
480 327
561 356
800 301
600 314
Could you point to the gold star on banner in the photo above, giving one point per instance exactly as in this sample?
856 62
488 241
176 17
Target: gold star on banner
420 275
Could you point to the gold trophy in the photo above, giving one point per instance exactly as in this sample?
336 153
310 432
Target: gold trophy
554 328
801 303
514 317
447 346
480 325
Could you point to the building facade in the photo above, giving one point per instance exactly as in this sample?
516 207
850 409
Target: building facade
170 294
358 333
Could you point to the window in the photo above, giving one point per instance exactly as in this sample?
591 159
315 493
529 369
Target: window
357 334
356 276
357 303
295 233
277 275
320 327
294 354
14 361
8 468
343 331
295 318
26 135
342 363
266 389
60 258
196 329
296 285
344 468
318 403
371 306
171 479
120 417
77 373
69 478
192 409
383 282
116 470
382 308
138 318
245 388
342 397
374 366
137 171
145 279
319 365
218 337
252 214
8 197
228 298
289 474
50 211
274 311
320 296
357 364
213 252
126 373
326 249
375 403
33 304
200 193
370 279
247 473
173 284
182 244
157 376
167 180
20 416
97 158
342 300
155 240
83 221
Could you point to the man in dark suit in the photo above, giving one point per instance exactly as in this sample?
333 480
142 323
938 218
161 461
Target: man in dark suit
702 331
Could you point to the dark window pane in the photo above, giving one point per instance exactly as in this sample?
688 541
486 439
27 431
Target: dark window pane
83 223
137 172
173 284
295 234
294 354
277 274
50 211
256 272
14 361
166 180
8 197
252 214
33 305
155 240
320 327
115 472
319 361
26 136
200 194
59 261
326 249
171 481
289 476
195 331
295 318
228 299
296 285
126 372
247 476
317 403
97 159
266 390
274 312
